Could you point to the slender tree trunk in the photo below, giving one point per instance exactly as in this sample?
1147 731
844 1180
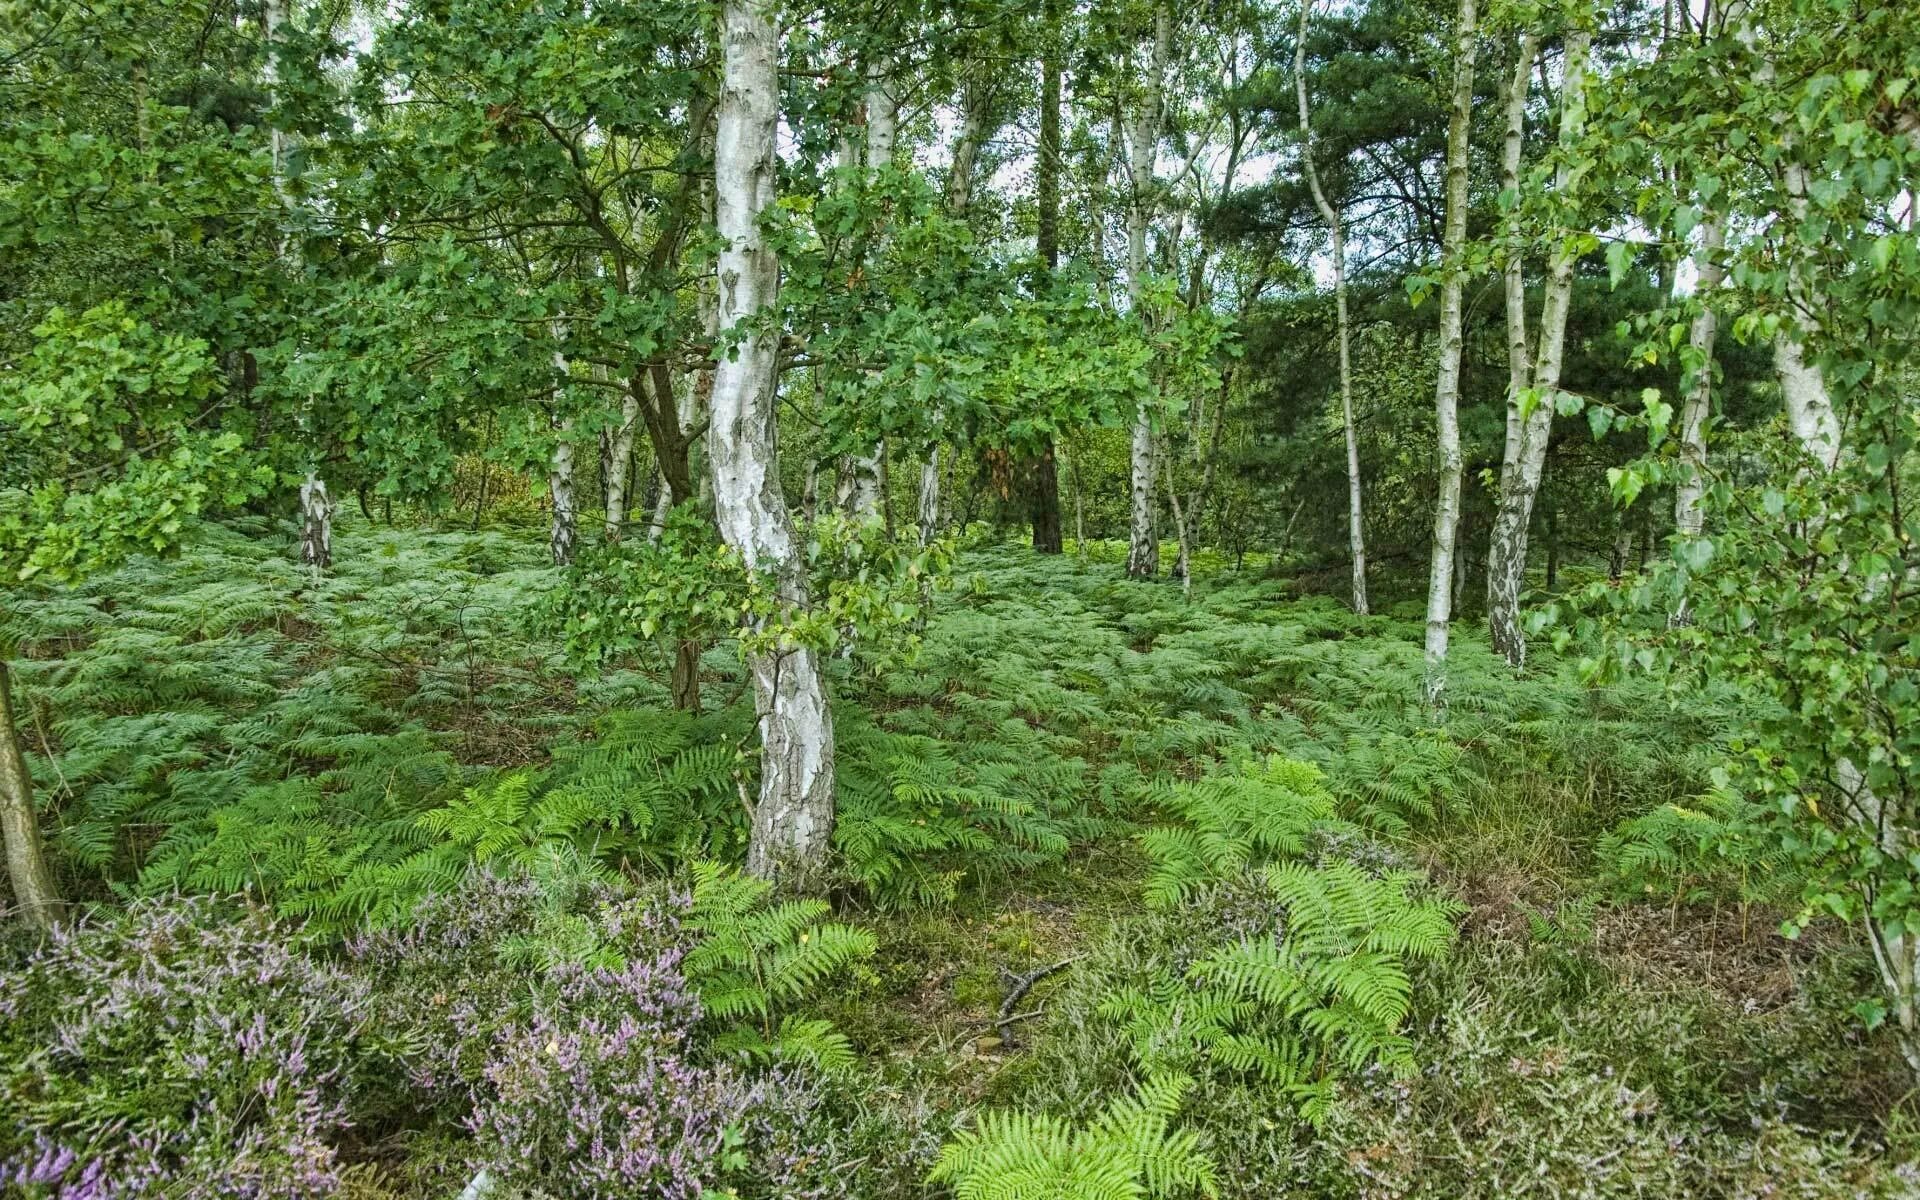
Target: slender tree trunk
1079 509
1687 514
685 683
1514 271
1553 544
1046 176
1183 563
34 893
1209 462
316 524
1507 547
561 529
929 507
1044 479
1143 138
1446 393
619 465
1355 537
316 510
480 501
792 827
966 152
1622 550
861 490
1044 508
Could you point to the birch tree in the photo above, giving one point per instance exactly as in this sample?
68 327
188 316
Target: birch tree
1143 138
316 507
1531 408
1697 386
35 895
792 822
1356 538
1446 393
1045 485
861 481
975 101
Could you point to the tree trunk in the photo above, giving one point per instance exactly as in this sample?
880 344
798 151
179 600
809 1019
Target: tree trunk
861 488
1079 510
316 524
34 893
685 684
1045 479
1694 414
1514 271
1622 551
1355 537
1507 547
1046 177
1553 544
1441 575
560 531
792 826
316 510
1143 138
619 466
1183 562
1045 501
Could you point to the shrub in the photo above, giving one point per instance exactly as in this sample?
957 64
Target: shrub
595 1094
176 1049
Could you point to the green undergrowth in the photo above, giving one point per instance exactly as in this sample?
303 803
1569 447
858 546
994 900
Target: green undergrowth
1194 887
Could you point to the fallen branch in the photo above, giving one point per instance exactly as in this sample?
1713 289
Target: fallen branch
1022 984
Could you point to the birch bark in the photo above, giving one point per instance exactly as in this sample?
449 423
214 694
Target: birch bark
792 823
1356 538
1143 137
1446 392
34 894
862 496
1507 547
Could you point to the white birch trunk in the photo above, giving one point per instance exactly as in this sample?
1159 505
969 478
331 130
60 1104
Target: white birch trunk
861 493
1507 547
1356 538
561 530
36 899
618 464
793 817
1514 272
1696 409
1446 392
662 505
316 524
1143 137
1816 425
929 507
316 512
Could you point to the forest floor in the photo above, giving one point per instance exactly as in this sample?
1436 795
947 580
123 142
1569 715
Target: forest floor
225 722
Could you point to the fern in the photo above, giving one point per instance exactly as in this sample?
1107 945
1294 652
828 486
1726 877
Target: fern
1129 1151
1697 852
757 956
1231 821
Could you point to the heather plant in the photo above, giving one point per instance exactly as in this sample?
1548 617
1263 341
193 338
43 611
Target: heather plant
178 1048
595 1093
